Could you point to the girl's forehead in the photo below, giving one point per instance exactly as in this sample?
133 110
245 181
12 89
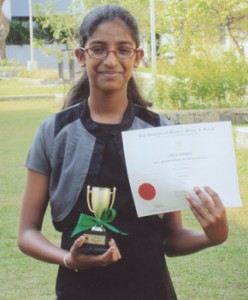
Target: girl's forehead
114 31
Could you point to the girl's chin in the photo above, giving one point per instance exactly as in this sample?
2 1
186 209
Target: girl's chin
110 85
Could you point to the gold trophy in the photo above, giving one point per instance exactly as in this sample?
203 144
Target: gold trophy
100 201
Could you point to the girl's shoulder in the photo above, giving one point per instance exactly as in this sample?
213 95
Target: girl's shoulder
151 117
61 119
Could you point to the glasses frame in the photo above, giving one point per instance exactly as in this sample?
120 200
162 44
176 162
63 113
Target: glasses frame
108 51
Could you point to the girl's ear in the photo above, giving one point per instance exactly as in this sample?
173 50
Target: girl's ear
138 57
79 53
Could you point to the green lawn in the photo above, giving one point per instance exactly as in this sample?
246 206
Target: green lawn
216 273
18 87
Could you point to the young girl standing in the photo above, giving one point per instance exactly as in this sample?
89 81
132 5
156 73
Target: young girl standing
81 146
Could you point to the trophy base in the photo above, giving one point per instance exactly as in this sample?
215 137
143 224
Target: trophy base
96 243
92 249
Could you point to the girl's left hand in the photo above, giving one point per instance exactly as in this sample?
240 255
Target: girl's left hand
210 213
80 261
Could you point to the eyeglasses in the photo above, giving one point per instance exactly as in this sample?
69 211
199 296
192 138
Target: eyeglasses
101 52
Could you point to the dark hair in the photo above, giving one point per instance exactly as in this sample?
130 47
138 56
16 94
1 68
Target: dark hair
80 91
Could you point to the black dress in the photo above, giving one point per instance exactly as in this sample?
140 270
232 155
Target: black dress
142 273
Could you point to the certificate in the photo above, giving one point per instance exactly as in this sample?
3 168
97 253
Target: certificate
166 163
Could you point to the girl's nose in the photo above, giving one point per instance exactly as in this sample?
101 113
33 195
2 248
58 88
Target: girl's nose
111 58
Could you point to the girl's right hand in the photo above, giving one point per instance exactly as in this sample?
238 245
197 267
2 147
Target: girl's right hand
81 261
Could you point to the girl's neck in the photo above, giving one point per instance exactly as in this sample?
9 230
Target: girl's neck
107 108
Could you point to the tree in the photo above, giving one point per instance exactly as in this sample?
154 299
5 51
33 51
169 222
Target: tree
198 25
208 71
63 25
4 31
195 32
202 25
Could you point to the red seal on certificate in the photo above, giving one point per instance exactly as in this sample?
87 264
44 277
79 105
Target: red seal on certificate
147 191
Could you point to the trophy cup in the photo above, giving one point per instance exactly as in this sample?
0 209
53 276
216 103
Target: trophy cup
100 201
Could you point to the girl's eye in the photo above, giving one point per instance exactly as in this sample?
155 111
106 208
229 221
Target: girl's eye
125 51
98 50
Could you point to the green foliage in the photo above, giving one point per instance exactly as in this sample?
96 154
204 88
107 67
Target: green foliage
188 25
193 33
200 82
179 93
62 26
201 25
41 32
9 63
140 10
221 81
19 33
206 75
156 91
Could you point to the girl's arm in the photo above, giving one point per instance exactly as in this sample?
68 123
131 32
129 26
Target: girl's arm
209 212
31 240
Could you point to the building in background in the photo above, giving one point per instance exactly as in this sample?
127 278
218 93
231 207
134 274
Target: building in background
14 10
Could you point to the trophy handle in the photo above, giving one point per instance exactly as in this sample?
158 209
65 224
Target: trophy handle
99 199
113 194
88 198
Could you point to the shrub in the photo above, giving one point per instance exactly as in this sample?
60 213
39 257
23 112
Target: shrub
9 63
19 33
200 82
219 82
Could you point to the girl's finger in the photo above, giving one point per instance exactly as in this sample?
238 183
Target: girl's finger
77 244
206 203
214 196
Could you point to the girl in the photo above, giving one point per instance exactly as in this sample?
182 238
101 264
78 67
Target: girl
81 146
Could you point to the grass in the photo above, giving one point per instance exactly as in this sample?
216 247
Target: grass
15 87
216 273
220 272
32 279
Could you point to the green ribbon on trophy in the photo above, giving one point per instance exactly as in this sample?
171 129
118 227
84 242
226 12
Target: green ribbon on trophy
86 222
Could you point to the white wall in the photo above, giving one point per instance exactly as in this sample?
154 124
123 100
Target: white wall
20 8
7 9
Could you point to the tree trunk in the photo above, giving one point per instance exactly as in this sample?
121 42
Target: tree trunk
4 31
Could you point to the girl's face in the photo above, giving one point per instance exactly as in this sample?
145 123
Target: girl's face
110 73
